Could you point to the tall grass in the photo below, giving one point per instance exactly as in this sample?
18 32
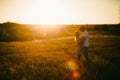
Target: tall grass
47 60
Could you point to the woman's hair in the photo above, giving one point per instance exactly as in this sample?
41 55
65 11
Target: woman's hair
77 34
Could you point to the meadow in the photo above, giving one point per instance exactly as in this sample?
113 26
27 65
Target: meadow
56 59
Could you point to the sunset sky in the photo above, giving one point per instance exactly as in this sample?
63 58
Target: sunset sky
60 11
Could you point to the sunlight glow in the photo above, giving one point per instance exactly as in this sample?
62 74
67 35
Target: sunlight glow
45 12
59 11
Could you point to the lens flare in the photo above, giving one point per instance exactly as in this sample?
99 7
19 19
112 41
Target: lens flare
76 75
73 67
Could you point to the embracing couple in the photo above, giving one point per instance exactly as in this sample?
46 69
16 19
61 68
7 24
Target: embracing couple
81 37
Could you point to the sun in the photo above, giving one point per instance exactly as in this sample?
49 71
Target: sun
45 12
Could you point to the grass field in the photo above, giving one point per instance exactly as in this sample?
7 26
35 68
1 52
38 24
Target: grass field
57 60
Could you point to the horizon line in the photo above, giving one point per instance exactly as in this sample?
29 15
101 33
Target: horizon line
61 23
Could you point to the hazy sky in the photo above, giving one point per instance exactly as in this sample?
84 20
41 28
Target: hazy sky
60 11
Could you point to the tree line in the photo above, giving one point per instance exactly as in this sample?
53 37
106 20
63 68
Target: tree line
10 31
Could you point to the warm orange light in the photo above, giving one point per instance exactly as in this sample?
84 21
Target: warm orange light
59 11
76 75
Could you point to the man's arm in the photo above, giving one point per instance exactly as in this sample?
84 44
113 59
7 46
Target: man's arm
82 40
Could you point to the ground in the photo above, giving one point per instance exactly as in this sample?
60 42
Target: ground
56 59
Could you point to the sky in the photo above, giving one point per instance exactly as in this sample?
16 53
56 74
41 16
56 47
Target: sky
60 11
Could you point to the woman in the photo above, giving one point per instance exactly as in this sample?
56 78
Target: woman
78 41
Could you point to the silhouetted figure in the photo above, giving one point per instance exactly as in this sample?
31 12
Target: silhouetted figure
78 43
81 37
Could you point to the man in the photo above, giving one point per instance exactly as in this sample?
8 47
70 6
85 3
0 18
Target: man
83 43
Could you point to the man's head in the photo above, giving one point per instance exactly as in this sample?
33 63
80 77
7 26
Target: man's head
82 29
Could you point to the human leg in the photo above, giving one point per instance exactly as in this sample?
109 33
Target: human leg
85 51
79 52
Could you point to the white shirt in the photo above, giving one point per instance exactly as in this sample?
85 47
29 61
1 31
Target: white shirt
85 35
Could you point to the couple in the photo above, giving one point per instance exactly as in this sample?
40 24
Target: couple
81 37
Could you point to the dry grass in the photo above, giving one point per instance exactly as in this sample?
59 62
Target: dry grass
48 60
